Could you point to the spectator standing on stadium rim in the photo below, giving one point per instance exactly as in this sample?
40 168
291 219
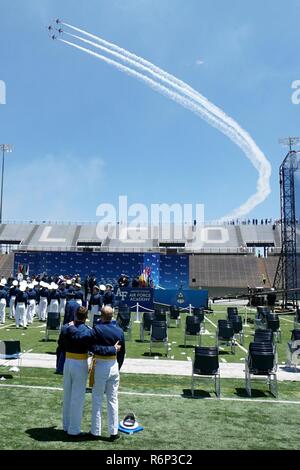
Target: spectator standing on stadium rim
105 375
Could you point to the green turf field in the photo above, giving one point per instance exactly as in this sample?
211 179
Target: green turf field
33 338
31 417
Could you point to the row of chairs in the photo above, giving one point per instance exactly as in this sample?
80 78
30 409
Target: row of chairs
261 361
265 319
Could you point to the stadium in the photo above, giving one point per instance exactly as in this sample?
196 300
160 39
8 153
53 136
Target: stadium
208 311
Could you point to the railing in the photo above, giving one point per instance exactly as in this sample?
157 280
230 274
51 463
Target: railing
95 222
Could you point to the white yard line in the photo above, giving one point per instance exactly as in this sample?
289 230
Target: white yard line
7 326
286 319
167 395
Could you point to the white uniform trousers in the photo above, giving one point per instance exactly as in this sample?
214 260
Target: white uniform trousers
2 310
62 306
75 377
21 314
106 380
94 311
53 306
43 308
31 310
12 310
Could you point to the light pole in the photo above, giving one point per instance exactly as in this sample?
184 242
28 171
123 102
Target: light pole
4 148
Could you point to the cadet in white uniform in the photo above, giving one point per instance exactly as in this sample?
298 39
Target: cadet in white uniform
43 302
12 297
74 340
106 373
21 303
3 300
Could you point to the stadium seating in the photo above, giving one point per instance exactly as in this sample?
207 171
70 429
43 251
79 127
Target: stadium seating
206 365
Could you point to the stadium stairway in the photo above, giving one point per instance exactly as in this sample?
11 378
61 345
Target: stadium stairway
6 265
263 271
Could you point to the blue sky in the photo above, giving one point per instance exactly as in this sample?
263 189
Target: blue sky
84 133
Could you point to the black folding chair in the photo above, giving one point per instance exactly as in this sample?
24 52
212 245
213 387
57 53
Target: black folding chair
237 324
159 335
124 320
53 324
232 312
225 334
261 317
192 329
160 314
263 336
261 361
175 314
206 365
199 313
293 349
145 325
297 319
10 350
273 324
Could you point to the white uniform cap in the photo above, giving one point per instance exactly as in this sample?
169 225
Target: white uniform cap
23 287
3 281
53 286
15 283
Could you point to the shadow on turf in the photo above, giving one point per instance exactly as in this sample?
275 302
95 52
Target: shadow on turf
6 376
242 393
153 354
53 434
187 393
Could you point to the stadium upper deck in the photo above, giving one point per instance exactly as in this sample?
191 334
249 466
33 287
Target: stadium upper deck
225 238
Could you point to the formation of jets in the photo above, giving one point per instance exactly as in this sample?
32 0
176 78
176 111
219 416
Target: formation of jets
52 29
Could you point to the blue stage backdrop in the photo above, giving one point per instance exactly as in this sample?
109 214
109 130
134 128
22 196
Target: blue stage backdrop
182 297
144 297
168 271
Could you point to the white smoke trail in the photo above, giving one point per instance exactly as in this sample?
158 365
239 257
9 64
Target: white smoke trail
156 71
203 108
166 76
182 88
